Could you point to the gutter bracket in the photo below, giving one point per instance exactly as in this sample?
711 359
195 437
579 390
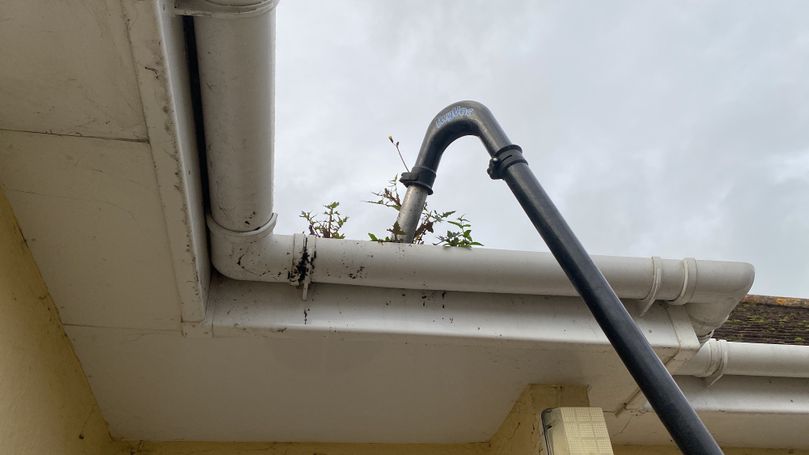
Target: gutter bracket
657 278
689 282
208 8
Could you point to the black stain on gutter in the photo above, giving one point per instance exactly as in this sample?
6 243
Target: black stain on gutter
303 268
357 274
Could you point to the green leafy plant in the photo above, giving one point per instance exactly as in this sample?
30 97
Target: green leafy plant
328 228
461 237
458 235
390 197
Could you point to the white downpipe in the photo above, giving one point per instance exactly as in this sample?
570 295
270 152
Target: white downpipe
719 357
711 288
236 55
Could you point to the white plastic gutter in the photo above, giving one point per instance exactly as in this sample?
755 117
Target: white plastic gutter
708 289
717 358
756 378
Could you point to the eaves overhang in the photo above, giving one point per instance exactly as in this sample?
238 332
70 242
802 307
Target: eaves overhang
113 214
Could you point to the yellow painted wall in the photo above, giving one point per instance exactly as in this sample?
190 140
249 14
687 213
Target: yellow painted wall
46 406
519 434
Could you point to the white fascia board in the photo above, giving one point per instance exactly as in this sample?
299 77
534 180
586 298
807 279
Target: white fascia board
158 49
244 309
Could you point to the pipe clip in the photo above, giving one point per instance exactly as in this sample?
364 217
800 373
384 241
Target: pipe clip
505 157
222 10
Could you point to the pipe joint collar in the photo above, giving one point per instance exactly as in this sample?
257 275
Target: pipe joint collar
718 363
503 158
218 231
223 9
689 282
239 255
420 176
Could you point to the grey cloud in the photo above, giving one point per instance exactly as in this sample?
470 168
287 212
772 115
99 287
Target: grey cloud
674 129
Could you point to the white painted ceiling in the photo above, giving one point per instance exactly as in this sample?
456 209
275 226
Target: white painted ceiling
83 153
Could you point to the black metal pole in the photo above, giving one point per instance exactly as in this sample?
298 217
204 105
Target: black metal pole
472 118
668 401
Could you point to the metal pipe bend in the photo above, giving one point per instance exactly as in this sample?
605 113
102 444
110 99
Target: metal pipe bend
463 118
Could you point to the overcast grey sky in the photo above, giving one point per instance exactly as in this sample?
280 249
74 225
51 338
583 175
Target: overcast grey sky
671 129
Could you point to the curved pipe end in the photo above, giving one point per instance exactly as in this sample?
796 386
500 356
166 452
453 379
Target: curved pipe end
463 118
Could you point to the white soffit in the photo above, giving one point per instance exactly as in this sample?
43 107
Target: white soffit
740 411
352 364
127 208
355 364
67 69
90 212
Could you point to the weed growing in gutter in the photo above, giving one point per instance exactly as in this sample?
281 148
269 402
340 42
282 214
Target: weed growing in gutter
330 222
329 227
